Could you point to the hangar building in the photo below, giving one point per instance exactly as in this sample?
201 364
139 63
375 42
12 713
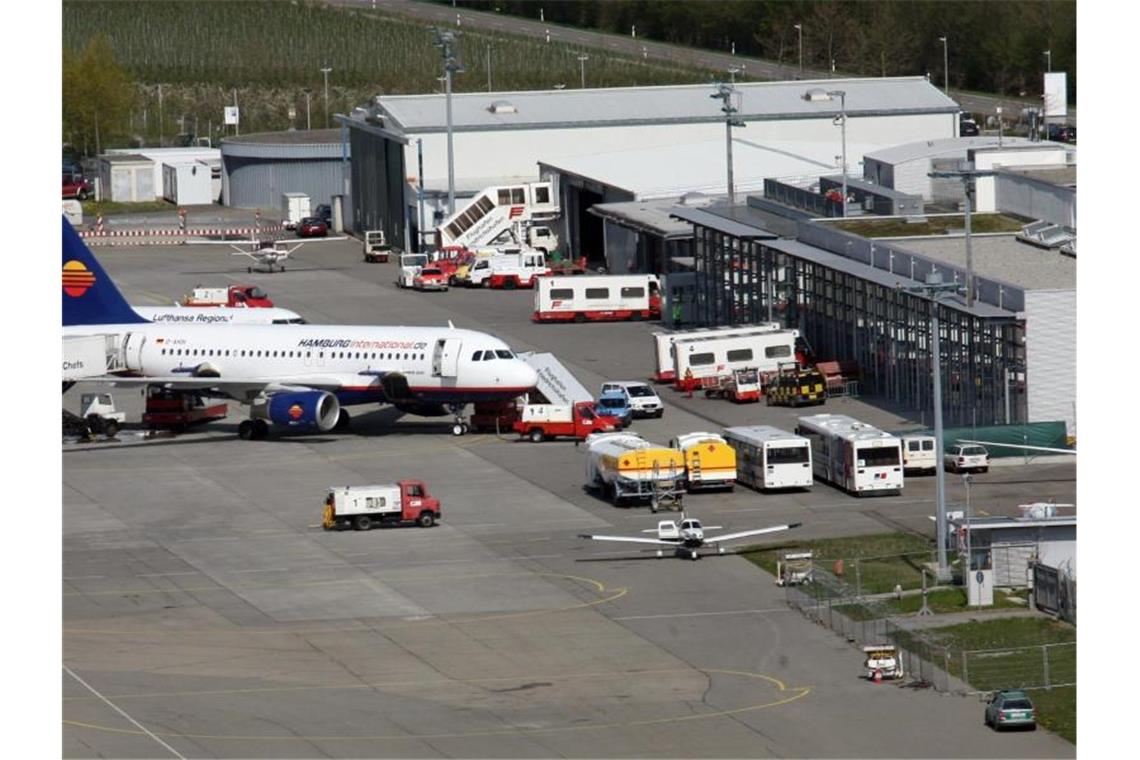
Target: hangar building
258 168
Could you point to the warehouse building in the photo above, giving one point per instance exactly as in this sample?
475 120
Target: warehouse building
257 169
1007 358
500 138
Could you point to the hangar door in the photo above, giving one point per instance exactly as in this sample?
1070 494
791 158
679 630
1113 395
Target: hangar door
378 180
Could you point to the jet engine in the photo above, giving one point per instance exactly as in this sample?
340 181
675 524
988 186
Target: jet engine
305 409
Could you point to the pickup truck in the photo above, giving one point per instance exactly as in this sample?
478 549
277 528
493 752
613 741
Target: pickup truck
234 296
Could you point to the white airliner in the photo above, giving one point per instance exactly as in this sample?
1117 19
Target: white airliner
688 537
219 315
294 376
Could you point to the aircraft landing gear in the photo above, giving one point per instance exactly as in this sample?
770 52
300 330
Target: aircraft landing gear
694 555
660 554
253 430
460 427
720 550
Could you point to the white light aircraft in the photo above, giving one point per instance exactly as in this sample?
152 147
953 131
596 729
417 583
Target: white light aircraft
265 253
294 376
997 445
688 537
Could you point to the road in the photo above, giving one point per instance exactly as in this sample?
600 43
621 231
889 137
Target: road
758 68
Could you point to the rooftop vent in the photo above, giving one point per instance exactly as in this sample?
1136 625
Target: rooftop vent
816 94
503 106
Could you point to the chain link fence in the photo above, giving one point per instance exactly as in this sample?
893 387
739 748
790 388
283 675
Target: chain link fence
864 620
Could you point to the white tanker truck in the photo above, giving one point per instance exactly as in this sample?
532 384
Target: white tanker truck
625 467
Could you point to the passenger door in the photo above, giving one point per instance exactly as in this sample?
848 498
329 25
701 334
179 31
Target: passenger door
445 358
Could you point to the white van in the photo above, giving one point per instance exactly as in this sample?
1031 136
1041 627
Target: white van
919 454
643 400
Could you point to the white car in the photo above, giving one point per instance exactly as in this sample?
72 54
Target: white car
966 457
643 400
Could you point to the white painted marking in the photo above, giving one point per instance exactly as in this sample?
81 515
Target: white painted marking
117 709
703 614
82 577
166 575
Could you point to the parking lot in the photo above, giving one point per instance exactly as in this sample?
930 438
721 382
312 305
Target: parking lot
202 599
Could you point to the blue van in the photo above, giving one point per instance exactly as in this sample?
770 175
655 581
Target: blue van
616 403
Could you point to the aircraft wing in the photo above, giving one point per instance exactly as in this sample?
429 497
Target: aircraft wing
246 388
629 539
747 533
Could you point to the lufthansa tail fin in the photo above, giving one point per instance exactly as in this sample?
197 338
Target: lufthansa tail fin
89 296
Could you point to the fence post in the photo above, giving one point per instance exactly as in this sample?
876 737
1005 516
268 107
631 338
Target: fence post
1045 664
965 671
946 666
858 581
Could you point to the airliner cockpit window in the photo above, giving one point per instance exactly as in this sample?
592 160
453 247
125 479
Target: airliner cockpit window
477 356
502 354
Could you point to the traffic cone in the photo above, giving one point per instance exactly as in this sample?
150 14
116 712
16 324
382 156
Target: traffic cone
878 676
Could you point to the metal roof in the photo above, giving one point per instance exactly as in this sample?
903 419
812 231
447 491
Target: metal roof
289 137
725 219
992 523
650 216
295 144
1001 257
656 105
953 146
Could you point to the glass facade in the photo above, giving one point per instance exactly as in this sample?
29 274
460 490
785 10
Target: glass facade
844 317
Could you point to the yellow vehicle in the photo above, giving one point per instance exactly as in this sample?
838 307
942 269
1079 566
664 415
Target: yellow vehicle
709 461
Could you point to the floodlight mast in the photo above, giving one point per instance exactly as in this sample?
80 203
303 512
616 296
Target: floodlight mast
727 93
445 41
968 174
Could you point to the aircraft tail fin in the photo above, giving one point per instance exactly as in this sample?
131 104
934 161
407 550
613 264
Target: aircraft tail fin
89 296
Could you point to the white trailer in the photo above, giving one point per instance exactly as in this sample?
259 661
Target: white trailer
88 356
508 270
853 455
578 298
702 362
770 458
294 208
501 213
663 343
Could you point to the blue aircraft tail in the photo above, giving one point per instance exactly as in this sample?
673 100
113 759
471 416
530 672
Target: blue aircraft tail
89 296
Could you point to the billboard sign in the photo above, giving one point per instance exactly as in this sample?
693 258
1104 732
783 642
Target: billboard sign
232 116
1056 94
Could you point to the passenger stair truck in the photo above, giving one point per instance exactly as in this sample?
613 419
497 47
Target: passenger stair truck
853 455
613 297
625 467
503 214
406 502
709 461
560 406
663 343
709 362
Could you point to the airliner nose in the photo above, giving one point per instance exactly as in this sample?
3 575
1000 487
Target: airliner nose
525 377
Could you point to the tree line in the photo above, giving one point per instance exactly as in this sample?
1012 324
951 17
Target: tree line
995 46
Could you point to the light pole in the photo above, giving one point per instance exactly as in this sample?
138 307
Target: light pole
1048 59
732 72
998 110
934 289
945 40
445 41
841 120
308 108
966 478
325 70
800 29
582 61
968 174
727 93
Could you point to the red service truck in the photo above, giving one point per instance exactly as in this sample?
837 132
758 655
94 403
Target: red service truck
406 502
540 422
233 296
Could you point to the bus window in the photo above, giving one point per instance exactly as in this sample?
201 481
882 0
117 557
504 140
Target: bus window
883 456
700 360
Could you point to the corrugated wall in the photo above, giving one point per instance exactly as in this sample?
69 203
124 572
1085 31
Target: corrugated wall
1051 355
1036 200
259 183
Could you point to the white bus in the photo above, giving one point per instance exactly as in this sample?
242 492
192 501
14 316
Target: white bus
706 359
578 298
770 458
853 455
663 343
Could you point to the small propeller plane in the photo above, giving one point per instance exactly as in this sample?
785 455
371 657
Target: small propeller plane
688 537
265 253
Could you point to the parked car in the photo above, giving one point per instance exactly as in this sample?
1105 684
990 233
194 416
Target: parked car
643 400
967 127
966 457
615 403
324 213
1061 133
76 186
312 226
1011 709
430 278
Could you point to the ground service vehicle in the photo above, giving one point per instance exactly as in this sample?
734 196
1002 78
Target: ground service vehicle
312 226
663 343
742 386
98 409
616 404
235 296
376 248
919 453
406 502
561 267
410 266
1011 709
643 400
626 467
881 661
178 410
709 461
793 385
294 208
598 298
508 271
706 362
541 422
966 457
430 278
853 455
503 211
324 213
75 186
770 458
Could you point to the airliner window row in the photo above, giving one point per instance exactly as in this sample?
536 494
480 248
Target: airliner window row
287 354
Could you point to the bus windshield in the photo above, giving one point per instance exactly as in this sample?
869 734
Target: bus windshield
881 456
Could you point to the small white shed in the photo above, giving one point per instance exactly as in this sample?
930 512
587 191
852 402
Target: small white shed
187 183
126 178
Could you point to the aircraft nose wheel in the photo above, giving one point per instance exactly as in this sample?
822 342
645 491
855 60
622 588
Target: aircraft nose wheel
694 556
460 427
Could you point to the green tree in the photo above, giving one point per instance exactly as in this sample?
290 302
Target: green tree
97 96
